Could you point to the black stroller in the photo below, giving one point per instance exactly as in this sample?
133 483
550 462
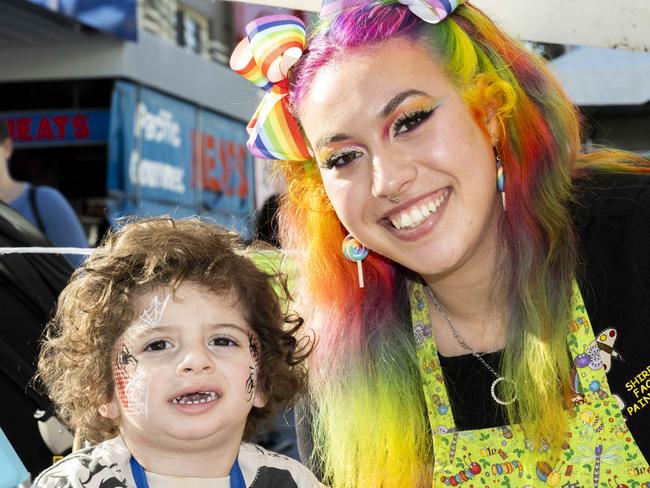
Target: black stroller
29 286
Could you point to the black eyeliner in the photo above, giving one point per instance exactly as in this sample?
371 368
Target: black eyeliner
422 114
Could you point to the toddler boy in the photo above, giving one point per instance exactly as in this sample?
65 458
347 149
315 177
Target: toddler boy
166 350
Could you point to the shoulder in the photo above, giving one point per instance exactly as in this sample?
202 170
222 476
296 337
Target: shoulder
266 469
104 465
49 195
602 194
611 213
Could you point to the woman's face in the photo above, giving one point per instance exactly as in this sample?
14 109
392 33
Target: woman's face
385 121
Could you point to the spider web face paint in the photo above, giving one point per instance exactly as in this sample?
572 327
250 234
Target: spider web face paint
255 352
153 315
174 353
137 393
123 369
132 385
254 347
250 383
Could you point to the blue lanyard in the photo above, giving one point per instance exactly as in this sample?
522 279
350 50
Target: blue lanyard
236 476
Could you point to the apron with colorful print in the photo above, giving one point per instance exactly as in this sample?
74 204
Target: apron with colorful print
600 451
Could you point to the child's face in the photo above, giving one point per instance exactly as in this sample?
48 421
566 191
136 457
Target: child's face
185 370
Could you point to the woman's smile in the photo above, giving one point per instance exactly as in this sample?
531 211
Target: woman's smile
412 219
404 134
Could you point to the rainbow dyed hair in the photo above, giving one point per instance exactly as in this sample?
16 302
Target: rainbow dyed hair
369 415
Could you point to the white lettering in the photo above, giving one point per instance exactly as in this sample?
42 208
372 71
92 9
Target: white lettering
153 174
160 127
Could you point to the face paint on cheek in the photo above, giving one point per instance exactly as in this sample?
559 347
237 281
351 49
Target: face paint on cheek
153 315
137 395
125 365
254 347
250 382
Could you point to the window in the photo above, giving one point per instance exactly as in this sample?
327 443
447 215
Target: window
191 30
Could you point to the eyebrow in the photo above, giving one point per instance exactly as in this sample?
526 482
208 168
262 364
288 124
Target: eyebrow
398 99
146 331
328 140
388 109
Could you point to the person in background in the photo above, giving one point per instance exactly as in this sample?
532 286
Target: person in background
282 436
29 286
266 221
43 206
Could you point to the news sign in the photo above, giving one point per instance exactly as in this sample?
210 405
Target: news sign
57 128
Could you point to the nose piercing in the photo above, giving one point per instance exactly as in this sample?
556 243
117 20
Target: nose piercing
394 200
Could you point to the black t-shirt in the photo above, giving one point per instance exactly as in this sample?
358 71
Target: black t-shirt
612 219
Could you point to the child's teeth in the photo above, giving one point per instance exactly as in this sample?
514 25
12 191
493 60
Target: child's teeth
196 398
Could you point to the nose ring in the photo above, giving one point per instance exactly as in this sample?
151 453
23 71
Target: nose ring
394 200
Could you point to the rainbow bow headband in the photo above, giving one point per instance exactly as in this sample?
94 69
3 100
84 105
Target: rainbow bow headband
272 45
431 11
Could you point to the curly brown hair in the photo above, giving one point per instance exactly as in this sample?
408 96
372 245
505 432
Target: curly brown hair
96 307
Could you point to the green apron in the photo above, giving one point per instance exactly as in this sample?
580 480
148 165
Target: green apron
599 452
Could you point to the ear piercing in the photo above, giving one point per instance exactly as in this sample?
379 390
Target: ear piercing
501 181
356 252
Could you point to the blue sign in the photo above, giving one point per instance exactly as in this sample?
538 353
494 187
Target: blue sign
59 128
115 16
171 157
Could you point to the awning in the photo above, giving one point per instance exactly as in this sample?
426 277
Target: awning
600 23
167 156
596 76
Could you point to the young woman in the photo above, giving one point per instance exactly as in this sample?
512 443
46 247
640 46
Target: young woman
481 340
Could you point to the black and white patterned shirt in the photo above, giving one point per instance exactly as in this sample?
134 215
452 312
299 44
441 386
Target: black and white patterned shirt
107 466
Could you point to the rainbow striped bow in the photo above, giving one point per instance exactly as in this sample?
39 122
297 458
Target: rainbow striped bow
431 11
273 44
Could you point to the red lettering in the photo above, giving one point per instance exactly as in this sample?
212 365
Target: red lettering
60 121
12 128
232 165
44 130
242 189
24 129
210 182
225 167
80 129
195 160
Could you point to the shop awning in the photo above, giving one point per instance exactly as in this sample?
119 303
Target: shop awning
600 23
597 77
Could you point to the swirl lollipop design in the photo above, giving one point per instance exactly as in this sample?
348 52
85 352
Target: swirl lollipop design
356 252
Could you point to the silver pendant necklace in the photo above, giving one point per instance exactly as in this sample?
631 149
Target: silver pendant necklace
465 346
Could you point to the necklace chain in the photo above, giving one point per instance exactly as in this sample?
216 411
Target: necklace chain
464 345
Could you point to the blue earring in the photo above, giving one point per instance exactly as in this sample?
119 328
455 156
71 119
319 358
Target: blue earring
501 181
